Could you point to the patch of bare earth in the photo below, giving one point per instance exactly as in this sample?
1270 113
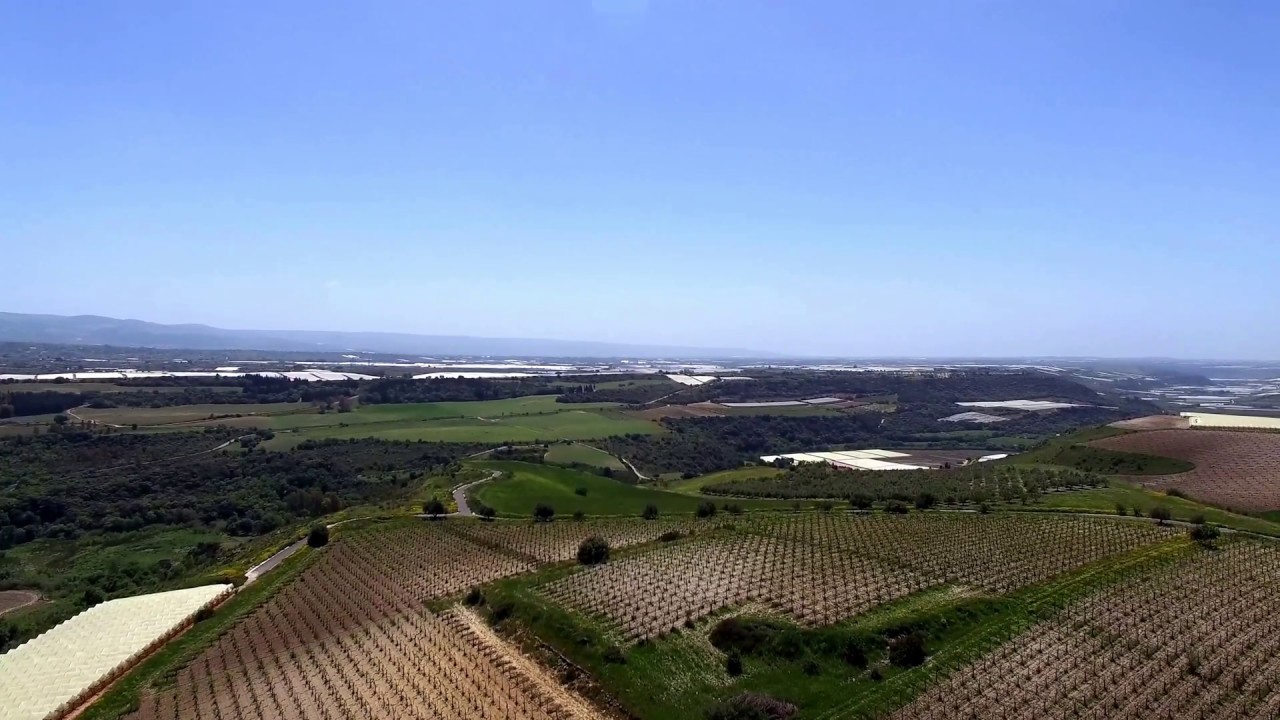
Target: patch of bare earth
13 599
1239 470
1154 422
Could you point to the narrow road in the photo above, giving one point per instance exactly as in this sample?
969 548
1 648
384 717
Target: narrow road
283 554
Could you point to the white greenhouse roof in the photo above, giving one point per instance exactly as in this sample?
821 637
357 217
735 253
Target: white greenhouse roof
59 668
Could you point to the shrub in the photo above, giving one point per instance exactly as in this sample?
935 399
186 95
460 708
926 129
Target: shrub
579 516
735 634
543 512
614 655
826 506
908 650
811 667
593 551
925 500
733 508
706 509
501 611
855 654
752 706
319 536
1175 492
877 673
1199 519
1121 509
1205 534
733 664
580 491
485 511
860 501
650 512
670 536
1161 514
474 597
896 507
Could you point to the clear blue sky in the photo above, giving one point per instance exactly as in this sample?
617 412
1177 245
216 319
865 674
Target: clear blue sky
1088 177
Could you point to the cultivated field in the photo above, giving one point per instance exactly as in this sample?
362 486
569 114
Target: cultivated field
570 422
1200 639
527 484
351 638
818 569
557 541
1235 469
569 453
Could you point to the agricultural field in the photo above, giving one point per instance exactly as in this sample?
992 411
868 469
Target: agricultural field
578 453
524 485
813 599
1195 640
984 482
351 637
572 424
245 415
1238 470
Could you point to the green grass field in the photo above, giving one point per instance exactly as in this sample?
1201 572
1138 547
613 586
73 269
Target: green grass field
695 485
569 453
531 484
572 424
1105 500
252 414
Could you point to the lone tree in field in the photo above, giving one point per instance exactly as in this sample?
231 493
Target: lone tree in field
650 512
706 509
543 512
433 507
1161 514
318 537
593 551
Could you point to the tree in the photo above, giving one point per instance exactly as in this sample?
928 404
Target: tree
319 536
650 512
543 512
733 664
92 596
580 491
925 500
593 551
433 507
706 509
860 501
579 516
485 511
61 419
1161 514
1121 509
896 507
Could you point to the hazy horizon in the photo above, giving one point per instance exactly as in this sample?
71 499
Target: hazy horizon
828 179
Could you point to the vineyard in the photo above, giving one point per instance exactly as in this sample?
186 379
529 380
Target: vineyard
1234 469
351 638
556 541
818 569
978 483
1198 640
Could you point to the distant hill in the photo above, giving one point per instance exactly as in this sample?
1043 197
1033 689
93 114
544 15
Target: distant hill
98 330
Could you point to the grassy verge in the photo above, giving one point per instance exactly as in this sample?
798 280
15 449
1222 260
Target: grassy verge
161 668
683 674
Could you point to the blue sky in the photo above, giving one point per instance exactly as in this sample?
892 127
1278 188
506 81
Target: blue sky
1091 177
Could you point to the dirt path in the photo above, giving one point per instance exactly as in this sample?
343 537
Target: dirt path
513 662
11 600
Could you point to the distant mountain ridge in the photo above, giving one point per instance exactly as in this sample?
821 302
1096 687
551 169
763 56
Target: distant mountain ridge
99 330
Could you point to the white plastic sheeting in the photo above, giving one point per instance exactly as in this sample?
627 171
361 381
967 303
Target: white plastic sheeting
50 674
1214 420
